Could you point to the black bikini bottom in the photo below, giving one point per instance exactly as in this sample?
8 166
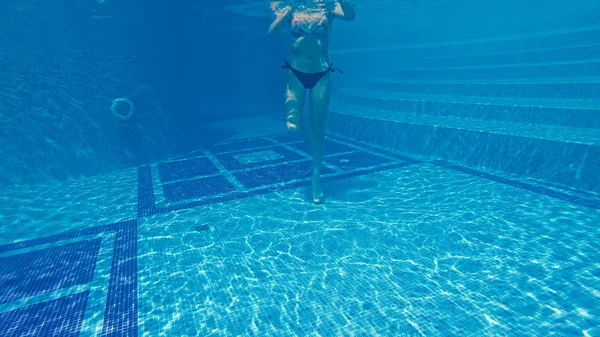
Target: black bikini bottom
309 80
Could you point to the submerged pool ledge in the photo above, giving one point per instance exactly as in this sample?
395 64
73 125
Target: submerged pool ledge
521 153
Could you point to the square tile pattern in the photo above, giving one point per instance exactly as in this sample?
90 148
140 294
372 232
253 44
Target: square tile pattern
46 265
250 167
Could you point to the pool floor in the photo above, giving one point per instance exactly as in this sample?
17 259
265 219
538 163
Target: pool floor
225 242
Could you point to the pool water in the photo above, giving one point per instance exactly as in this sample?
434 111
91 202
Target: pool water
461 176
210 245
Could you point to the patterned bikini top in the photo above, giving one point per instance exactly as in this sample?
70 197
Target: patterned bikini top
310 21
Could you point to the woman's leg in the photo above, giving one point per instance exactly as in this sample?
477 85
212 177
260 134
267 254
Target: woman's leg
294 102
320 96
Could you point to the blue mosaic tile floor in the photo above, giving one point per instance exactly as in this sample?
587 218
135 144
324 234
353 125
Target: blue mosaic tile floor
226 242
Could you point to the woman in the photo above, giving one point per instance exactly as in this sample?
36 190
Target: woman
309 69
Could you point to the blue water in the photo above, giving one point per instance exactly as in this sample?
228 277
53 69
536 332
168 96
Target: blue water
462 195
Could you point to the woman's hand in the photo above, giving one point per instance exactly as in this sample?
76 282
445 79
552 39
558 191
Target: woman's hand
345 10
281 16
280 11
287 11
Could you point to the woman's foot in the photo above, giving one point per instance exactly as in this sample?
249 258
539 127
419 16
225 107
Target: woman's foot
294 130
316 189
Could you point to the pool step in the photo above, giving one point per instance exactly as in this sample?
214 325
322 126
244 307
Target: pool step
581 113
536 55
557 154
580 68
575 87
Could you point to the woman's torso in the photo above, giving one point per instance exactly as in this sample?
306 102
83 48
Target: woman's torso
310 39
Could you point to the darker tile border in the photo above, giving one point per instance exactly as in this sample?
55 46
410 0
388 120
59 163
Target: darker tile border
146 201
121 310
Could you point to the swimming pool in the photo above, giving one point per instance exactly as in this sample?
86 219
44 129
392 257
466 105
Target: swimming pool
462 199
402 247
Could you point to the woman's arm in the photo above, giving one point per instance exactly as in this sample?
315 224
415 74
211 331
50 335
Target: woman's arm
280 19
345 10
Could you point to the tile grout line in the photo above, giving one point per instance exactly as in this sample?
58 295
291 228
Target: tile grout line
225 172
